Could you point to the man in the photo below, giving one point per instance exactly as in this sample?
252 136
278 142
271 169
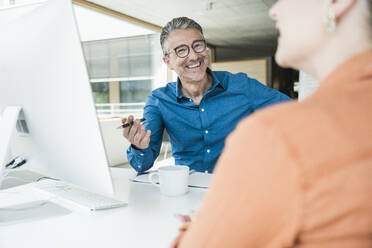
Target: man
198 110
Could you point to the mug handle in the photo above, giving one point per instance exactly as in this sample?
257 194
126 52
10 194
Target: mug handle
151 178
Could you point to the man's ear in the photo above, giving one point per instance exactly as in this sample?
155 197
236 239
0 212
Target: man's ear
167 62
341 7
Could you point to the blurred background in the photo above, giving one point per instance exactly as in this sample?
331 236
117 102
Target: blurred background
120 41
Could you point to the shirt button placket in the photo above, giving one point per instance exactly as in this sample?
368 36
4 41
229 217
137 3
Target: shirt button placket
203 117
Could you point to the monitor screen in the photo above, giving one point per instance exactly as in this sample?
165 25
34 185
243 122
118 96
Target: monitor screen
43 71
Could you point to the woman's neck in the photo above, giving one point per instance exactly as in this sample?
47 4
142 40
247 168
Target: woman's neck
333 55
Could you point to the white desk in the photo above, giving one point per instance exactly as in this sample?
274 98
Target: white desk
148 220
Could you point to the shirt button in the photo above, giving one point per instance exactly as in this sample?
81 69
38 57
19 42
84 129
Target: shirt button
139 166
206 131
202 110
208 151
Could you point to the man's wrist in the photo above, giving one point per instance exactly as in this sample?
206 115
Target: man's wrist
138 149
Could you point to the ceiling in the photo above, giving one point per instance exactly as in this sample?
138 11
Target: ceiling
237 28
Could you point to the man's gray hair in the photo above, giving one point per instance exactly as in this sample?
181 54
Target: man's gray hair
177 23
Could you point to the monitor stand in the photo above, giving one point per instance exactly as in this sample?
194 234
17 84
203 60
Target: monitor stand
12 118
8 123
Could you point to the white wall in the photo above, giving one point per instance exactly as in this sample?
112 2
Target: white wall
97 26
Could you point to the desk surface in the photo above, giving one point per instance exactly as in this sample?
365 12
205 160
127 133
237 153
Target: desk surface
147 221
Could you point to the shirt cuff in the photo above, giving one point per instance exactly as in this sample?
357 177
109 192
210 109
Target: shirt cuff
137 158
136 151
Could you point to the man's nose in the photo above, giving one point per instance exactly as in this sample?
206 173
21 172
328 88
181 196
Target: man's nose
193 55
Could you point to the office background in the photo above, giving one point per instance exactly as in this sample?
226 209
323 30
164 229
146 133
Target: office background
120 40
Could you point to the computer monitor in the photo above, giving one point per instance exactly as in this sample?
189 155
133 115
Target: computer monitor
43 71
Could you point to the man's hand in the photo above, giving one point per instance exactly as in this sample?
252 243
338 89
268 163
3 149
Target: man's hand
136 134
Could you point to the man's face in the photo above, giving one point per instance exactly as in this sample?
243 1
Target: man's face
193 67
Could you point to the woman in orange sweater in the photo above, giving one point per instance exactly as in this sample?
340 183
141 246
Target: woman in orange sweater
302 172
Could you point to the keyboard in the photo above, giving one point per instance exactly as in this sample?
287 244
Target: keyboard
76 195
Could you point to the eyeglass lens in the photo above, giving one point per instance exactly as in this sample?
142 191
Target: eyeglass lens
183 50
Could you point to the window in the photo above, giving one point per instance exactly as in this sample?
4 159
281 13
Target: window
122 57
123 72
100 92
135 90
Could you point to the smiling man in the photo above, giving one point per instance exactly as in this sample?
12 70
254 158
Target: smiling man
198 110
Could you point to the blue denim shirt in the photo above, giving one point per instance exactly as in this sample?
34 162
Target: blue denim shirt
197 132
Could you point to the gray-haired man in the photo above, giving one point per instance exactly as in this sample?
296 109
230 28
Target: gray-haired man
198 110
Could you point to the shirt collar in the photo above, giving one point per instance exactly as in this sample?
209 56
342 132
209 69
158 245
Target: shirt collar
215 84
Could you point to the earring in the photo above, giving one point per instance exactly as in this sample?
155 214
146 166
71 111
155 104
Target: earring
331 20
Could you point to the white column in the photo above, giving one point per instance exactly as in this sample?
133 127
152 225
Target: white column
159 68
307 86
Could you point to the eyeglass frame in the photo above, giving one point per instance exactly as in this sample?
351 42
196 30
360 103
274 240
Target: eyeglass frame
188 48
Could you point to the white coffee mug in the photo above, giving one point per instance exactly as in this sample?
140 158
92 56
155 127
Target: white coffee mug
173 180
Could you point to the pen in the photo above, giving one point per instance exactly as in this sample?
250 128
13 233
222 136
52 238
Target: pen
129 124
146 172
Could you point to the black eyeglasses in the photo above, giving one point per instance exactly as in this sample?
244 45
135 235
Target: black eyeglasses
182 51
